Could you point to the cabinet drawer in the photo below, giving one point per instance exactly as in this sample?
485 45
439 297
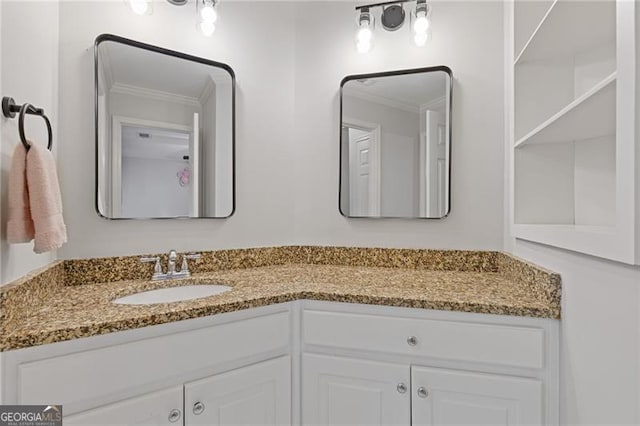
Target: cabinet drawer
107 372
506 345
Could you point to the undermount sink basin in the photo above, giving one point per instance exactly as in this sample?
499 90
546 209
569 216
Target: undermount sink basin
172 294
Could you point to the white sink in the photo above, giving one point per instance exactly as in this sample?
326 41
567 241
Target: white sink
172 294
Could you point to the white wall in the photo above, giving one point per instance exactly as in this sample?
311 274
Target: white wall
224 151
282 179
208 153
264 124
150 188
325 53
400 131
29 51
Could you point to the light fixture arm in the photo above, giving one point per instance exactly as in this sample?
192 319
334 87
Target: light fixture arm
386 3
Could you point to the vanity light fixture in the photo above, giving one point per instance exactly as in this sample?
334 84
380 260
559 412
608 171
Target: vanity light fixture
206 12
364 35
421 23
392 18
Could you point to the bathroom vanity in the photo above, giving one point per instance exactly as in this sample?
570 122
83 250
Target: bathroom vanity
307 335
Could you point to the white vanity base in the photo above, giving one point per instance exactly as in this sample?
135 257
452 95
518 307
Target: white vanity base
303 362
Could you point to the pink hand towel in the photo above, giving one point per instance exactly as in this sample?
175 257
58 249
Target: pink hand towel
20 227
45 200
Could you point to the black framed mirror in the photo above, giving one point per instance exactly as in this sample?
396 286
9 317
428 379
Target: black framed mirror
395 144
165 133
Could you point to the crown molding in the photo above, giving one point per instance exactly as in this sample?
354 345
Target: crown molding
392 103
156 95
434 103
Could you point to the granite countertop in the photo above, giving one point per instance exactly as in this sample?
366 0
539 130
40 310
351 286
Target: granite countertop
38 311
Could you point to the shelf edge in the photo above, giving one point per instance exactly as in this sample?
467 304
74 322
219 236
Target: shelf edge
567 109
535 32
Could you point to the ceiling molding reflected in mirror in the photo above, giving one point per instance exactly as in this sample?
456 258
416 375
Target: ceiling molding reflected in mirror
395 144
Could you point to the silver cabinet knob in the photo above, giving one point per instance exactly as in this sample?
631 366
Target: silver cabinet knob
422 392
198 408
412 340
402 388
174 415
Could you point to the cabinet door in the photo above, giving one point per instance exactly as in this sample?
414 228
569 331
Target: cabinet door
153 409
343 391
259 394
450 397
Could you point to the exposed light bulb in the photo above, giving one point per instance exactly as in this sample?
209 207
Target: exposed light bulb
139 7
364 34
421 23
207 28
208 14
364 39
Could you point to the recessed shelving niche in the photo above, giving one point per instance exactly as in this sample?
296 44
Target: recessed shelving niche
573 144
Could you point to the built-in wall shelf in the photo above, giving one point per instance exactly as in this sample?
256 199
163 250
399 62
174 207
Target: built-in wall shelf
573 151
568 28
591 115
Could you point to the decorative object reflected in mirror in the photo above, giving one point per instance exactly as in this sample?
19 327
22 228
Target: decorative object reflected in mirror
395 144
165 136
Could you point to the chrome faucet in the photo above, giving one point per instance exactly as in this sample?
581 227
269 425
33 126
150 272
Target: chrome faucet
171 264
172 273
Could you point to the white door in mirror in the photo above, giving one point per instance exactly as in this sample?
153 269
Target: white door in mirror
172 294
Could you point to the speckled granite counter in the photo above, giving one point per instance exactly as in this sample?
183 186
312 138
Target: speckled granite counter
72 299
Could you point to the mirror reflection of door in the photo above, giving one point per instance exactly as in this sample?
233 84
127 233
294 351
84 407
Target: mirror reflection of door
436 168
362 151
156 170
359 150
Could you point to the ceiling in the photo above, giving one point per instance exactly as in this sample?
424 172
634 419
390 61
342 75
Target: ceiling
160 145
412 90
131 66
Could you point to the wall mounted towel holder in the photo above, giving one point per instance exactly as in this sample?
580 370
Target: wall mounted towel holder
9 110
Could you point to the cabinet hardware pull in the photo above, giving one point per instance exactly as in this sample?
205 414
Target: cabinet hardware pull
174 415
422 392
198 408
412 340
402 388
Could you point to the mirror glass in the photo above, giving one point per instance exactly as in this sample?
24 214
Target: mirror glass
165 133
395 144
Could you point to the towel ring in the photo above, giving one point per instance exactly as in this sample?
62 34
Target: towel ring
30 109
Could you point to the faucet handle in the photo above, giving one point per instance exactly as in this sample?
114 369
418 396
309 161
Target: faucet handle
157 269
185 265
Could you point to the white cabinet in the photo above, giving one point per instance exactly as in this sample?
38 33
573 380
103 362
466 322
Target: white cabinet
259 394
450 397
349 391
160 408
388 366
308 362
572 139
342 391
